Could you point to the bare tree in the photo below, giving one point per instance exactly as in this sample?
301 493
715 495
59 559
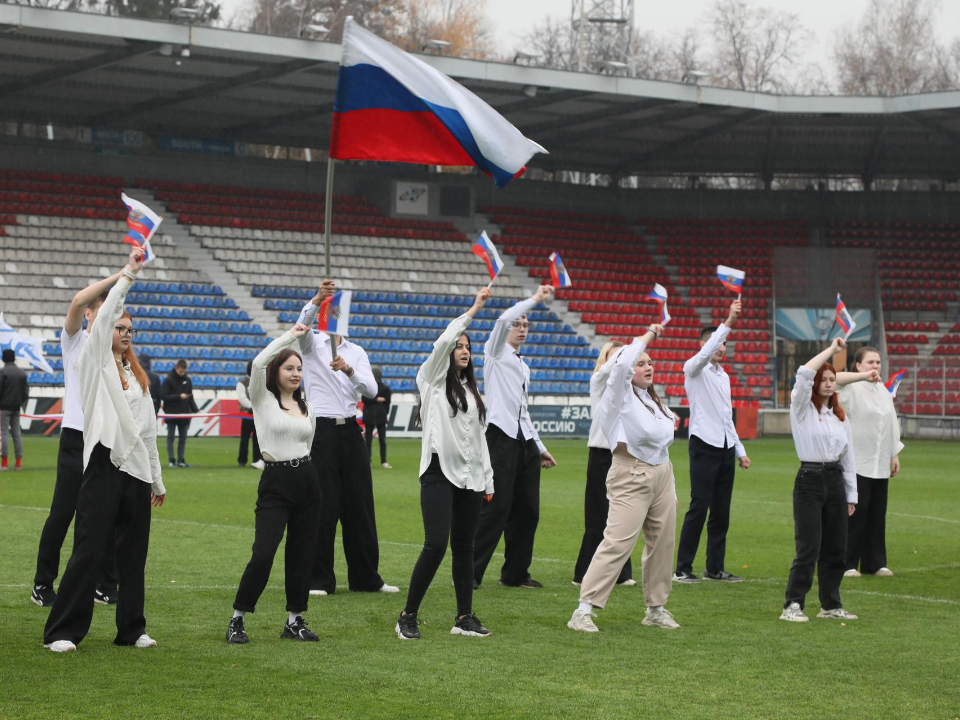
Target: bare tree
894 51
288 17
462 23
686 53
553 42
755 48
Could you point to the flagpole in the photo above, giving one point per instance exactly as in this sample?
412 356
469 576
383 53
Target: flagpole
327 224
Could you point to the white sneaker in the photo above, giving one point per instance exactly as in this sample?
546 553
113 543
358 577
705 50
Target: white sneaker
61 646
574 582
852 572
660 618
793 613
258 465
836 614
629 582
386 466
583 621
884 572
388 588
145 641
318 592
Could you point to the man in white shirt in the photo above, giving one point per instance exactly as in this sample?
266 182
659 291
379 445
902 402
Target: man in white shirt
714 451
516 452
85 306
334 386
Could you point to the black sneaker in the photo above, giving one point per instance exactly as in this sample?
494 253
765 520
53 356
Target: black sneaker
407 627
298 630
685 577
722 576
42 595
237 632
528 583
470 626
184 464
104 595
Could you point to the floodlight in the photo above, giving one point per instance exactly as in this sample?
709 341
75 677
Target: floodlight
315 30
694 76
530 90
435 45
184 13
185 52
166 49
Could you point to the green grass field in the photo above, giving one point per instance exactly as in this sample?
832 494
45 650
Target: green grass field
732 658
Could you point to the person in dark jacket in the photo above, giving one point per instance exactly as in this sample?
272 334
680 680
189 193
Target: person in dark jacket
375 413
177 392
14 392
155 382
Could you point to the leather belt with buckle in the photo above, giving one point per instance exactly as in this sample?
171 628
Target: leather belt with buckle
296 462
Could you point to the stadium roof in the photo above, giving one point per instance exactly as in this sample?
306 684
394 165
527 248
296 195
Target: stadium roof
128 74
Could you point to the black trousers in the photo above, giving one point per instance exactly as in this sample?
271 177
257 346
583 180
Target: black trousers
820 531
62 509
867 527
347 489
449 513
711 489
288 498
514 511
172 427
595 510
381 436
248 430
108 498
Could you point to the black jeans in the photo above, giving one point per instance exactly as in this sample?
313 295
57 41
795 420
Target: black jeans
62 509
449 512
184 427
288 498
514 511
381 437
711 489
820 530
108 499
867 527
595 510
347 488
248 430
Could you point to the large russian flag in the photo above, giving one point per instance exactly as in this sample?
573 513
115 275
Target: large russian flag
392 107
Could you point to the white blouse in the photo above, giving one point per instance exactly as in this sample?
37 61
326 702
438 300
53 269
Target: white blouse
628 414
598 383
876 428
821 437
458 440
281 436
122 420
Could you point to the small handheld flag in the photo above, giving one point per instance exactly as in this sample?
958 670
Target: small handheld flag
333 317
659 293
142 223
26 347
558 273
731 278
894 382
484 249
844 319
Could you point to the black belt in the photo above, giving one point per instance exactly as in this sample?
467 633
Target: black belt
336 420
296 462
835 465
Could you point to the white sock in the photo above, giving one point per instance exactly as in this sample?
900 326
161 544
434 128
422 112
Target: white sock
654 608
292 618
239 613
586 607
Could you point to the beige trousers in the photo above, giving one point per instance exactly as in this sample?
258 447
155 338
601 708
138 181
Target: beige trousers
641 497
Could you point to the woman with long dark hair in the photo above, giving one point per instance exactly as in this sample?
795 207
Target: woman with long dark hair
121 478
455 473
640 486
288 497
825 490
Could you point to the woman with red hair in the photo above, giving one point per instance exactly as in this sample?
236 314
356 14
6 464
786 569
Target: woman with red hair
825 490
121 477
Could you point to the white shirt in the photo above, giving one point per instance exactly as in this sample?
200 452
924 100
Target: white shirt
458 440
821 437
598 384
629 415
708 390
243 397
281 436
507 379
875 427
123 421
331 392
70 347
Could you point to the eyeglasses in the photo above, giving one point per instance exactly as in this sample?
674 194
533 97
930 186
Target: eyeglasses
520 326
125 331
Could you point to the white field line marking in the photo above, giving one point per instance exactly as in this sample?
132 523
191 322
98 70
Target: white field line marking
896 514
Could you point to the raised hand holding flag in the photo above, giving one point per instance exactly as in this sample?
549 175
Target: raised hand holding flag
844 319
142 223
894 382
484 249
558 273
659 293
333 317
731 279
